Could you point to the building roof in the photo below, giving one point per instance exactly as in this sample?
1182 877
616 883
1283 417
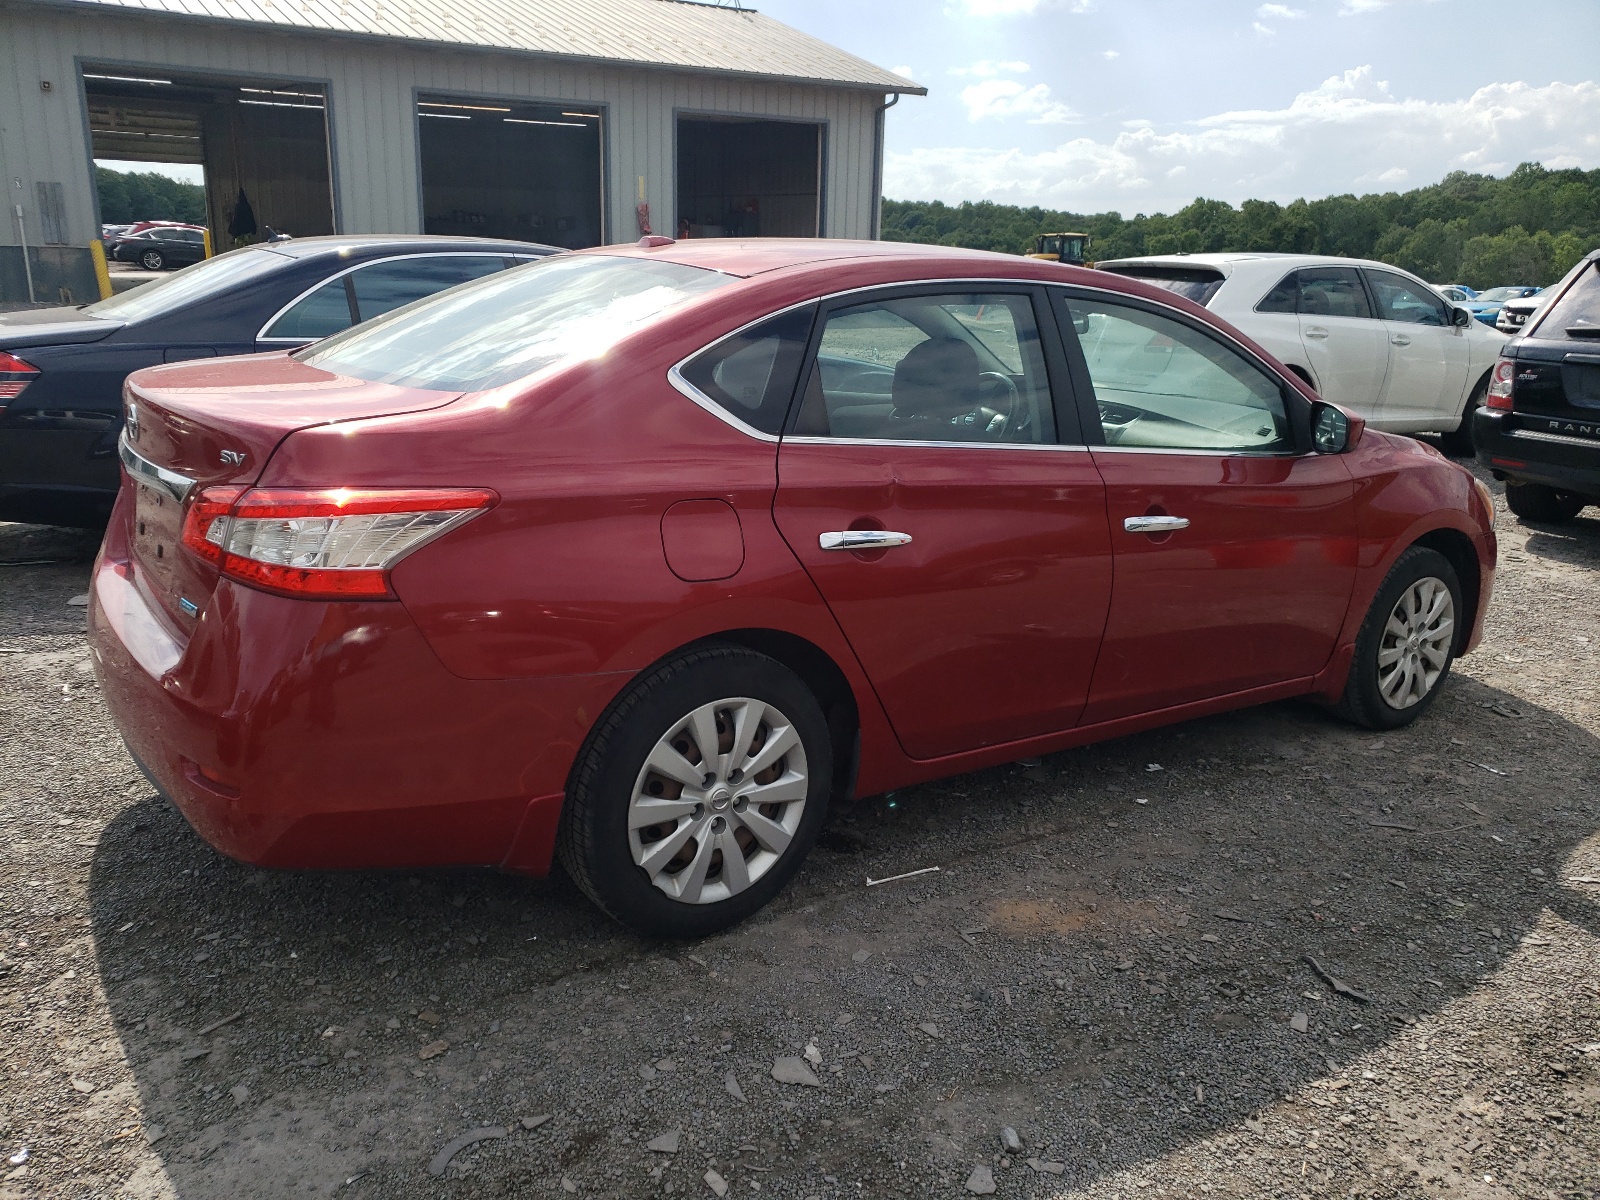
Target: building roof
675 34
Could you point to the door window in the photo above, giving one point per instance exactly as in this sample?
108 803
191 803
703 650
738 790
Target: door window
752 374
1319 292
1401 300
371 291
950 367
1160 383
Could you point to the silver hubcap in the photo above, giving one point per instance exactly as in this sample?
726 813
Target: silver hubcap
718 800
1416 643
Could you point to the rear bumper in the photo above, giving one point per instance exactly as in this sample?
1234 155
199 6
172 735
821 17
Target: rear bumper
305 734
1570 464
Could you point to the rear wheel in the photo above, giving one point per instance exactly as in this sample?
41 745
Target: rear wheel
152 260
700 794
1406 644
1536 502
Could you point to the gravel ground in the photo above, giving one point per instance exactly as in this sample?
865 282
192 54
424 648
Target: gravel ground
1114 960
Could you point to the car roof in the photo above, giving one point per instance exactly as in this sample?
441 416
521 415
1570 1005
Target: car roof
1227 263
755 256
399 243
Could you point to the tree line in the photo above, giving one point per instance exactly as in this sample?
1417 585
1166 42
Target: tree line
1528 228
128 196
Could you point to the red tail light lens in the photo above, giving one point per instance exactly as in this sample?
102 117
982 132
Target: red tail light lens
327 543
14 376
1500 385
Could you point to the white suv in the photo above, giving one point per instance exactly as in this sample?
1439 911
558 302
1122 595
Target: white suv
1366 335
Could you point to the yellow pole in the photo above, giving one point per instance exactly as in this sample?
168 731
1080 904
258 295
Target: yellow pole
208 242
97 251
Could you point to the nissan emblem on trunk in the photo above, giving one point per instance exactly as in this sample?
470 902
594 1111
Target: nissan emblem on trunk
233 458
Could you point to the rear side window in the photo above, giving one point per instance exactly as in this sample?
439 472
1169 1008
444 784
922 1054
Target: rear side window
752 374
1192 283
1577 313
373 290
1319 292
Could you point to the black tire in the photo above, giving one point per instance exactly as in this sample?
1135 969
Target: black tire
152 260
594 840
1458 443
1363 702
1536 502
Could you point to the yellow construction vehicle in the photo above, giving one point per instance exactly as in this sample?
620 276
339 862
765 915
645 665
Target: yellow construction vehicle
1069 248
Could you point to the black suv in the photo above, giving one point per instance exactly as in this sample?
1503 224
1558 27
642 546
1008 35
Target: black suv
1539 429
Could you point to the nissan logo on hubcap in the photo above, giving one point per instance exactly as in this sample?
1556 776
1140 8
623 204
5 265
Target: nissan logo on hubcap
721 798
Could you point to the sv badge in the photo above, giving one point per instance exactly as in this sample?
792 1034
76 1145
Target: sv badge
233 458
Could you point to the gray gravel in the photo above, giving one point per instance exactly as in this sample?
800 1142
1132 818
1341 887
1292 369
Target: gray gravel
1114 980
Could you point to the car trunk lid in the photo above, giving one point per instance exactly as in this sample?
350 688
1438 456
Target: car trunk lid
214 424
53 327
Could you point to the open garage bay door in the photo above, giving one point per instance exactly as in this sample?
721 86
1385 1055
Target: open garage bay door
267 139
509 169
749 178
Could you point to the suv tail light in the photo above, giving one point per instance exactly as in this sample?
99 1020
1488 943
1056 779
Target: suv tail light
1500 385
14 376
326 543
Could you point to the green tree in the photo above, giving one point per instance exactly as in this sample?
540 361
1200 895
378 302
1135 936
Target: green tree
129 196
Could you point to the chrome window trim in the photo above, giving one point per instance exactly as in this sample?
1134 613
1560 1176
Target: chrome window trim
142 469
1206 453
261 335
811 440
676 379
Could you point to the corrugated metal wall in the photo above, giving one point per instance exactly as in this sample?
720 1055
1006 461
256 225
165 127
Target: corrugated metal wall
371 90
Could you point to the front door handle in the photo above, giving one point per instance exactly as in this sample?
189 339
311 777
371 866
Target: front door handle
1400 339
864 539
1155 524
1317 331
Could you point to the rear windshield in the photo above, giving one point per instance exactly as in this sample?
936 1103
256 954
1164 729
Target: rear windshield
1577 313
203 280
505 326
1192 283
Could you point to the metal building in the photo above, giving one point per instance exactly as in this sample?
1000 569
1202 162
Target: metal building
572 122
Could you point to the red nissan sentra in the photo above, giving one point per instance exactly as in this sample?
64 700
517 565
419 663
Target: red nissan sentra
644 555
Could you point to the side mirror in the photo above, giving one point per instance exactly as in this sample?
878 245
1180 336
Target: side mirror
1080 322
1330 429
1460 318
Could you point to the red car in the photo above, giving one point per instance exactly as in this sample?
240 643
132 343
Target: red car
643 556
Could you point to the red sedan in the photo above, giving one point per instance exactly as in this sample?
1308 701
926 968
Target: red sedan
643 556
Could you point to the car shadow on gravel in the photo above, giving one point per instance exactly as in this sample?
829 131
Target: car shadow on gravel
1110 960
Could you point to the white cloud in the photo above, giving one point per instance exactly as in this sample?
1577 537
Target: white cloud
987 69
1008 98
1352 8
1281 12
1263 30
903 72
1325 141
1108 55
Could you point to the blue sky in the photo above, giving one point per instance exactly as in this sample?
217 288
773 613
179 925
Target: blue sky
1140 105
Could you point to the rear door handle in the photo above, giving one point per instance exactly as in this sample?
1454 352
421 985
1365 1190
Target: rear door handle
1400 339
1155 524
1317 331
863 539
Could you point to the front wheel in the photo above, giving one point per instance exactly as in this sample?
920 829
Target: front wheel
1406 644
1536 502
152 260
700 794
1459 441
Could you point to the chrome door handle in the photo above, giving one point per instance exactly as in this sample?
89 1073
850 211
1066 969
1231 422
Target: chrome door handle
863 539
1316 331
1400 339
1155 524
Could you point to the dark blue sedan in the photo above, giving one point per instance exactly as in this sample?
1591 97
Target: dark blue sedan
61 369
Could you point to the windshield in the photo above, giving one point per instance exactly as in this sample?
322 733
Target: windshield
206 278
1577 313
1502 293
505 326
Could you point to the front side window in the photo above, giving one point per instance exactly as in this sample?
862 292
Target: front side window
752 374
1401 300
1163 384
951 367
508 325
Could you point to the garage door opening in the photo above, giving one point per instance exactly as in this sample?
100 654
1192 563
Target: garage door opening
264 140
747 178
507 169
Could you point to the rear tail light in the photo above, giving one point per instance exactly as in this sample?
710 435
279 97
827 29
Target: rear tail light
14 376
1500 384
327 543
